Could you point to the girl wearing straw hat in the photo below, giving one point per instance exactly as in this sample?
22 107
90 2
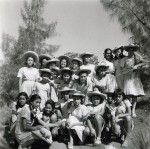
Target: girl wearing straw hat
54 62
64 61
28 75
43 58
95 119
44 89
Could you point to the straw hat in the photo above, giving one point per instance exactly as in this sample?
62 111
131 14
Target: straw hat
97 93
66 70
44 56
87 71
64 57
53 60
55 69
79 60
66 89
86 54
78 94
45 70
32 54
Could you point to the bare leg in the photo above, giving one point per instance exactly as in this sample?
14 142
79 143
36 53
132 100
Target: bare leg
134 106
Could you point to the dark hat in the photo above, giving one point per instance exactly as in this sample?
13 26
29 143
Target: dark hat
86 54
32 54
131 48
116 49
44 56
53 60
66 70
102 65
97 93
87 71
78 60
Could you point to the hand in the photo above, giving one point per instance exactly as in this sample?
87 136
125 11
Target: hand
38 127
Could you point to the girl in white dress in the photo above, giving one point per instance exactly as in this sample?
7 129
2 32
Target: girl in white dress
28 75
131 69
44 89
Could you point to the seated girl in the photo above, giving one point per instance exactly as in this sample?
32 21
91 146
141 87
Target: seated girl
121 118
95 119
26 132
76 120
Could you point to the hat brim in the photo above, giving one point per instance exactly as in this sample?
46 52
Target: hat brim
52 61
120 48
77 60
86 54
46 71
87 71
44 56
67 90
78 95
102 96
131 48
64 57
101 66
32 54
66 71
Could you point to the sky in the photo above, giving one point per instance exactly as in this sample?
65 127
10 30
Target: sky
83 25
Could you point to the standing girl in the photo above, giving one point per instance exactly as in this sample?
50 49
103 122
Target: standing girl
28 75
132 84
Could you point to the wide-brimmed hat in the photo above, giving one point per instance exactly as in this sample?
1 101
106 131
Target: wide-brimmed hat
131 48
79 60
86 54
97 93
116 49
32 54
87 71
53 60
66 70
78 94
45 70
66 89
101 65
44 56
64 57
55 69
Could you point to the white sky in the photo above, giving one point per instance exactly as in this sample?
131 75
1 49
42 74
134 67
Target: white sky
83 25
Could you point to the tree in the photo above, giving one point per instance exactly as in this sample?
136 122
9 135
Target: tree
134 17
32 36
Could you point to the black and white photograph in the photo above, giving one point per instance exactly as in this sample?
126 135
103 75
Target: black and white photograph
74 74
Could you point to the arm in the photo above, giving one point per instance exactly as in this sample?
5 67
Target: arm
20 84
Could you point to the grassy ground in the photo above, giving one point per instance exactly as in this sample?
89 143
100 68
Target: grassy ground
143 110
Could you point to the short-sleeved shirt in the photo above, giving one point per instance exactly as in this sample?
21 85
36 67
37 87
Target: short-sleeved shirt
27 73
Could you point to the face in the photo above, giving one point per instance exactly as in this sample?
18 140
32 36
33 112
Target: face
87 59
83 77
101 72
30 61
36 103
75 65
48 108
119 98
66 77
55 74
63 63
66 95
46 75
22 100
52 65
118 52
77 101
44 61
95 100
109 98
108 54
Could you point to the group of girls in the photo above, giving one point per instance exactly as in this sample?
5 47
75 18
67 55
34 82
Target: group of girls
74 99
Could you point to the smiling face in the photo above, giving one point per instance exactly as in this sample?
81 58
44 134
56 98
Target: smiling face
36 103
66 77
48 108
77 101
63 63
22 100
30 62
75 65
83 77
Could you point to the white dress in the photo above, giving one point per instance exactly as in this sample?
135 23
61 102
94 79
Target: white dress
132 82
29 77
46 92
111 83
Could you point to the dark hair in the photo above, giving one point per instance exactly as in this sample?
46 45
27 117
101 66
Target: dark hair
121 54
27 60
119 92
66 73
106 50
18 97
51 102
34 97
67 62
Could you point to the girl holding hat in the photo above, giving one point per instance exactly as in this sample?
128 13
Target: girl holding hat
131 69
95 119
64 61
43 58
86 63
44 89
77 118
83 84
28 75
